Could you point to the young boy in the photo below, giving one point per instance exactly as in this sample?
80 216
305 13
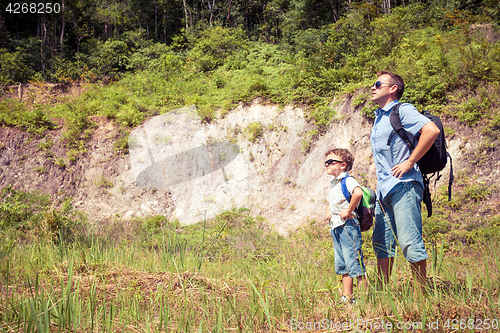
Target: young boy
344 226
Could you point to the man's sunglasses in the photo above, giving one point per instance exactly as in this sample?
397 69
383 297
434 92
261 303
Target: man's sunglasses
330 161
379 84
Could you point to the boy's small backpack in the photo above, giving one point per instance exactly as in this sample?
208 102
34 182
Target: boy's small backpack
366 207
433 161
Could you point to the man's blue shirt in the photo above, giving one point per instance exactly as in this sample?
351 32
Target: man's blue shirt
388 156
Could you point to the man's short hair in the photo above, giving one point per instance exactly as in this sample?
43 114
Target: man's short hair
396 80
344 154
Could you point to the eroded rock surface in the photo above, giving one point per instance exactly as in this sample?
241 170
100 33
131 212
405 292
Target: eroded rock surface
278 174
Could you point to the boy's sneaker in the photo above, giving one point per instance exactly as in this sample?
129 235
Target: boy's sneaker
344 300
355 301
349 300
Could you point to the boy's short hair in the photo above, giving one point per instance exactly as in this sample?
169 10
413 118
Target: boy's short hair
344 154
396 80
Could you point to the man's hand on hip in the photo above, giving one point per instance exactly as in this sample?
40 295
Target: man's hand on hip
400 169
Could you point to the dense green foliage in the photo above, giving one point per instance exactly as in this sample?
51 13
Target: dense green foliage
448 53
92 38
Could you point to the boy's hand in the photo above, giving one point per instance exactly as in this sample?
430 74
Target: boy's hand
344 215
328 217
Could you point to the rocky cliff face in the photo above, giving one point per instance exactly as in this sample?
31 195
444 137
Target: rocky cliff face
258 156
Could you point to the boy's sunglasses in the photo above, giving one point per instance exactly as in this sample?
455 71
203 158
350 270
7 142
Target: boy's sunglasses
330 161
379 84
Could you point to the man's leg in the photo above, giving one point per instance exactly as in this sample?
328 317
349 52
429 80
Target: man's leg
385 269
361 284
407 211
384 240
419 270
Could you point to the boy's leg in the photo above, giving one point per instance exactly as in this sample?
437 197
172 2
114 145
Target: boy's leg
351 246
340 267
347 283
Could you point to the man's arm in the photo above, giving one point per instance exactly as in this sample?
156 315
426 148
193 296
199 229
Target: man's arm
428 135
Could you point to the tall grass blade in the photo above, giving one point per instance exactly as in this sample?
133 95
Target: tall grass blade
236 315
34 317
469 283
46 319
264 304
394 308
200 259
489 287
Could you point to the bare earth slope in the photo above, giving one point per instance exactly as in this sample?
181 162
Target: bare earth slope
279 174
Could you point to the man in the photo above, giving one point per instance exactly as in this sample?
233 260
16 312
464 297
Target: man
399 181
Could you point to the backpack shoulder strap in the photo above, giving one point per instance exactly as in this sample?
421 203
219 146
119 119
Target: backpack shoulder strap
398 127
346 193
452 177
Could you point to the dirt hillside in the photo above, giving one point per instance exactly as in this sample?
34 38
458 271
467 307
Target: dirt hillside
278 173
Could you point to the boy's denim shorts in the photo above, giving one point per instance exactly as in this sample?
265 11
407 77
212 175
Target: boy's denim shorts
347 247
398 221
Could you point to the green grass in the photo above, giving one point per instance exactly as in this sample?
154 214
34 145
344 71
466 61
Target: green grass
228 274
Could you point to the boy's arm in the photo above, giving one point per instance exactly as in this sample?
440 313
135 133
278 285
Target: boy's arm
328 215
357 194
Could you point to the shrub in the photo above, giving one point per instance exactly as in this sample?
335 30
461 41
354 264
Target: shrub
149 57
14 113
31 213
66 70
103 182
214 46
253 131
322 116
17 207
12 68
109 57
